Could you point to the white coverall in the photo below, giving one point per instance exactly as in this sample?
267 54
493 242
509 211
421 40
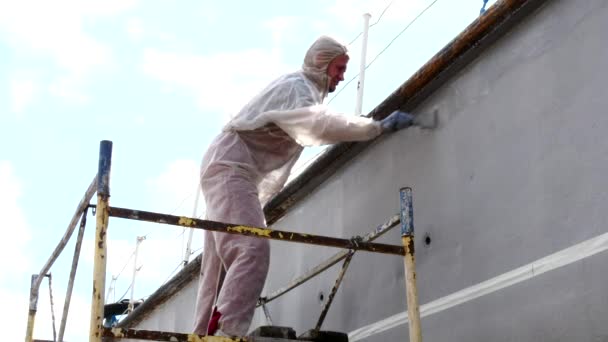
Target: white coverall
246 165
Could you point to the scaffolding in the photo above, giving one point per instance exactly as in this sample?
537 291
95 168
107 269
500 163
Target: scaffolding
103 211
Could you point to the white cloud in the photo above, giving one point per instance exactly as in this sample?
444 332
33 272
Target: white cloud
209 12
106 7
280 27
15 319
135 28
69 88
12 216
222 82
175 188
56 29
22 94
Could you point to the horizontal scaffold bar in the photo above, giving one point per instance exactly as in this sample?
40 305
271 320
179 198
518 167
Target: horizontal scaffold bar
266 233
149 335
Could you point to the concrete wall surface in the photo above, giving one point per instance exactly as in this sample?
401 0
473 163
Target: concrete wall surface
175 315
515 171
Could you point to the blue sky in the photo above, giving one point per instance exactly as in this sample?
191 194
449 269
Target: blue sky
158 78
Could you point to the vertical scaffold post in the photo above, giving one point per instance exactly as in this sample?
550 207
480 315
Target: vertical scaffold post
102 216
407 237
31 317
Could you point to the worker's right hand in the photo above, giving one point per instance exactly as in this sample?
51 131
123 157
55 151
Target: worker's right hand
396 120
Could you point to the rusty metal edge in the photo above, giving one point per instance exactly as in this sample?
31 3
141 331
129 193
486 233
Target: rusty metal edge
462 50
258 232
151 335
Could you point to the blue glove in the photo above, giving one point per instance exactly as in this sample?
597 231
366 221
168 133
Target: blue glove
396 120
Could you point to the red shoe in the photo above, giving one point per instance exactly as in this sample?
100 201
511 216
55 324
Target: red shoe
214 322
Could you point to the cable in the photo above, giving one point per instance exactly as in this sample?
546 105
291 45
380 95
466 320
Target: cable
172 272
307 162
125 266
182 202
400 33
126 291
169 277
384 49
343 87
173 212
382 14
132 280
370 26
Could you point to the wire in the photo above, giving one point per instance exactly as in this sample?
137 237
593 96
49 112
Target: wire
126 291
343 87
125 266
400 33
307 162
382 14
173 212
384 49
173 272
182 202
377 21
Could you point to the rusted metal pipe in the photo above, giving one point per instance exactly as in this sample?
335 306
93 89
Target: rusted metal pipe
336 258
34 290
148 335
102 218
31 317
334 290
68 295
407 237
265 233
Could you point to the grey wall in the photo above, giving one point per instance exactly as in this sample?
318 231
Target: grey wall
516 171
175 315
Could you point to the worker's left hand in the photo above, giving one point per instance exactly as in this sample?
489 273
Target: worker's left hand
396 120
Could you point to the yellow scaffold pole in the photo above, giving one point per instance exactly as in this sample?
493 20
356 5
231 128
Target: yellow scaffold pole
102 216
407 237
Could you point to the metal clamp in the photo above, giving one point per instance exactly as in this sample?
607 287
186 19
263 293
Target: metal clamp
355 241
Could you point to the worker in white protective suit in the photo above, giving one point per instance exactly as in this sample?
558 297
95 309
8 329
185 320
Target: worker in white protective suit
249 162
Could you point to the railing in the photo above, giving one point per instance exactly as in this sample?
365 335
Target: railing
104 211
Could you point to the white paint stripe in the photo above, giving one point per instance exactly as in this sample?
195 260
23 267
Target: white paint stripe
556 260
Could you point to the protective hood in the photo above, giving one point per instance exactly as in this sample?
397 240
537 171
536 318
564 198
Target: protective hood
318 57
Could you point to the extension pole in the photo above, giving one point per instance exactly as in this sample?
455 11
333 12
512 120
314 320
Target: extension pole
102 218
359 105
407 237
